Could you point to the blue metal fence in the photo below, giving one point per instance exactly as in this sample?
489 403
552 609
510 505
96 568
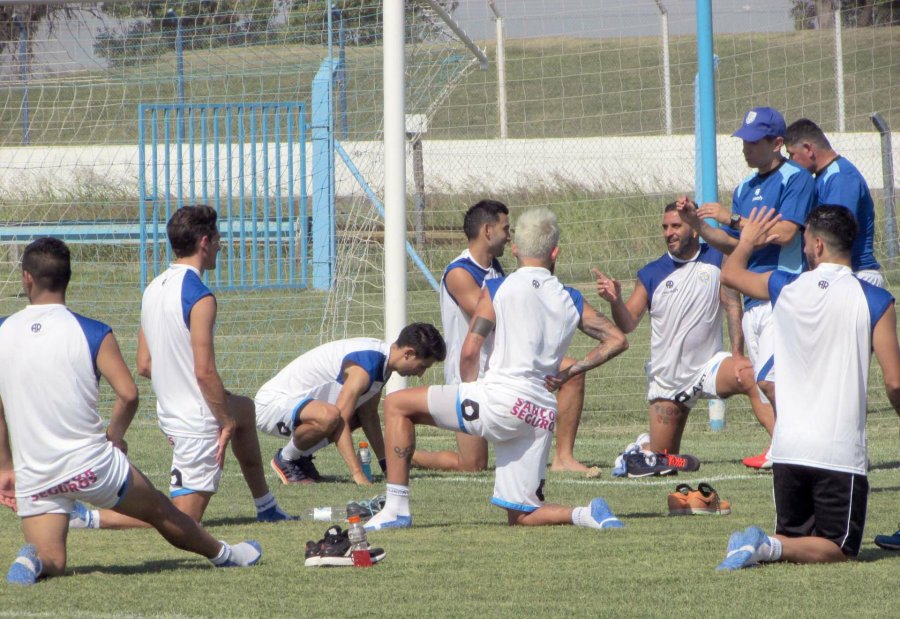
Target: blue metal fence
246 160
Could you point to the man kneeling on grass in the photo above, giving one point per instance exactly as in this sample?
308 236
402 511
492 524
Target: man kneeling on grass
513 406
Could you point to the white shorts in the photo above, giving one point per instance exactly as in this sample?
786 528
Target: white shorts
701 385
872 276
194 467
520 430
279 417
102 484
759 334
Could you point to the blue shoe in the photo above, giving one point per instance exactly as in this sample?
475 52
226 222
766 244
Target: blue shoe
889 542
400 522
744 549
603 516
274 514
26 568
244 554
80 517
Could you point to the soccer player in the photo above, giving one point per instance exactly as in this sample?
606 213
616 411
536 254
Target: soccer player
682 293
827 323
329 391
53 448
838 182
175 351
486 225
513 406
779 184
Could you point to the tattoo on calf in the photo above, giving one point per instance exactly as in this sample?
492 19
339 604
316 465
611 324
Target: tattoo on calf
405 453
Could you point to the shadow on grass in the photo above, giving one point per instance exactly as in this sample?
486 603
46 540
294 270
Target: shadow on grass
871 555
884 489
148 567
885 466
229 521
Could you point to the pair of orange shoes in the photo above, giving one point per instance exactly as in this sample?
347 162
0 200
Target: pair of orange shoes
704 500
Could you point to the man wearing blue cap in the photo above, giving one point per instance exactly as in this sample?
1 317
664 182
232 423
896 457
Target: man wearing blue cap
788 189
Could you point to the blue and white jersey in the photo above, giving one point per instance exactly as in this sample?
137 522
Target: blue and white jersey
685 314
456 322
790 190
49 386
165 321
536 319
841 183
318 373
823 322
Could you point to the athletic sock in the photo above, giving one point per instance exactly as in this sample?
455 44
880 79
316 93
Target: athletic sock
581 517
775 550
224 555
397 501
290 451
308 452
265 502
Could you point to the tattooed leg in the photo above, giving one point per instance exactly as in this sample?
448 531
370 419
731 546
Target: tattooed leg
667 421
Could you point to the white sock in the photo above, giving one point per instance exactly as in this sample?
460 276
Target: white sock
308 452
265 502
290 451
775 551
397 502
581 517
224 554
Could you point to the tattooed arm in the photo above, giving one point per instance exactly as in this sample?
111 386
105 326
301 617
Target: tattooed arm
480 327
611 343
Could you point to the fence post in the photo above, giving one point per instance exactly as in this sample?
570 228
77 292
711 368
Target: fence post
667 75
23 75
839 67
887 171
501 73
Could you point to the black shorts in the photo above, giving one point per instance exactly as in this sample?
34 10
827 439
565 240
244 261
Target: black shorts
813 502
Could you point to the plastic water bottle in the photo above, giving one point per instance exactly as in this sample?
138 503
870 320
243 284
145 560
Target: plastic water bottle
359 544
324 514
716 415
365 459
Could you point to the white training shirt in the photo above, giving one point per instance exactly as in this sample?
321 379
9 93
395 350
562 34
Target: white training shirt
165 320
49 386
456 322
685 315
823 322
536 319
318 374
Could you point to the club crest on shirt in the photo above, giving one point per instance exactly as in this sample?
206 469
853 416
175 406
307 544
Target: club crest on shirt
757 195
703 276
36 327
823 284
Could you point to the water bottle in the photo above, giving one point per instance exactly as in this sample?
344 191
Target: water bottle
324 514
365 459
359 544
716 415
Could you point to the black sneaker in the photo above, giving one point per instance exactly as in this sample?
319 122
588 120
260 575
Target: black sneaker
641 464
289 471
333 550
309 469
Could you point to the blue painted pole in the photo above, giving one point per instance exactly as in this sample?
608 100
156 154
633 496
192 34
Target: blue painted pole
707 101
323 179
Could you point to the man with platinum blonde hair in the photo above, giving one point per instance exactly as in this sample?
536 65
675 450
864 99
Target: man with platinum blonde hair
533 318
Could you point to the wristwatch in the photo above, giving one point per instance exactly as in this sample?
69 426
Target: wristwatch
735 221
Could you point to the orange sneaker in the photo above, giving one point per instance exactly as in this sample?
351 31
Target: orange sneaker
704 500
759 462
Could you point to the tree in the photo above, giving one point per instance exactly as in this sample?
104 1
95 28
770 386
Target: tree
819 14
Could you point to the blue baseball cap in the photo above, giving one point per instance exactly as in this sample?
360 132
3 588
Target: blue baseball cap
759 123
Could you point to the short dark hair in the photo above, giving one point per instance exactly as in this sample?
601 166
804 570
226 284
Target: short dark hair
836 224
424 339
671 206
49 262
480 213
805 130
188 225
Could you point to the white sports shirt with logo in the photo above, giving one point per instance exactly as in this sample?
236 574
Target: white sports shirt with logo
685 315
456 322
823 323
318 374
49 385
165 321
536 319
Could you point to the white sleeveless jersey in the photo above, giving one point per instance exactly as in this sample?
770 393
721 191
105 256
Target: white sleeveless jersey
456 321
165 320
49 386
318 374
823 321
536 319
685 315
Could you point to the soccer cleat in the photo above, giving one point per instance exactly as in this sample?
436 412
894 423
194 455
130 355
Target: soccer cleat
745 549
244 554
760 461
274 514
602 515
889 542
309 469
399 522
643 464
333 550
704 500
367 508
26 568
679 462
80 517
289 471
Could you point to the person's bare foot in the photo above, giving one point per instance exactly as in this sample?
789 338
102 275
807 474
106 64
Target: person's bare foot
574 466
